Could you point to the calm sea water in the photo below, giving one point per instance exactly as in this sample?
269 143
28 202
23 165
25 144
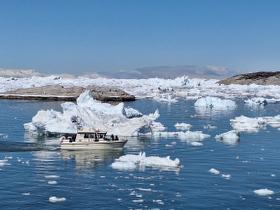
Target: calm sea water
87 181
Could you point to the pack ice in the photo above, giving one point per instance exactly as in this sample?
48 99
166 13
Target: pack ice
90 113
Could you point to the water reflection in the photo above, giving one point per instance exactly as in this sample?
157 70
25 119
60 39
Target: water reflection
90 158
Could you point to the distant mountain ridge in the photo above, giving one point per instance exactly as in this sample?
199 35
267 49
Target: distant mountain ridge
171 72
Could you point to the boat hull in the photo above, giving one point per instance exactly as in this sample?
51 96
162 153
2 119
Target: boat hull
93 145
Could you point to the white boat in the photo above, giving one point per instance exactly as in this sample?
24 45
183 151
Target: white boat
91 139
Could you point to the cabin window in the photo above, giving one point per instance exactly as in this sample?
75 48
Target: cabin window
92 136
86 135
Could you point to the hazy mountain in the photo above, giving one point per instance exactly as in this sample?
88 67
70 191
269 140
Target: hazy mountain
172 72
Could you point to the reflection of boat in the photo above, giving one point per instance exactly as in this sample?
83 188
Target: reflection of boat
88 139
90 158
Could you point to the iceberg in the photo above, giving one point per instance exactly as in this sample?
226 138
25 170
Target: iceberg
214 103
131 162
90 113
230 137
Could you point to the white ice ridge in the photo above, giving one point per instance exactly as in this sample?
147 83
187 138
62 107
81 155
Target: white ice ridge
131 162
230 137
90 113
159 89
248 124
214 103
263 192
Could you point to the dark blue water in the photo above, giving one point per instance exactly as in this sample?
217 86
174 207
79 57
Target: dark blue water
87 181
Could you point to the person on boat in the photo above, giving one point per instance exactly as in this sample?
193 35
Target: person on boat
112 137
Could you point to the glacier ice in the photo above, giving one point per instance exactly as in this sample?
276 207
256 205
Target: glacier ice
90 113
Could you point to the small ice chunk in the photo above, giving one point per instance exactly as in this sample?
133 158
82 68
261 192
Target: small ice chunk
226 176
209 126
26 193
52 182
230 137
214 171
54 199
51 176
183 126
138 201
263 192
196 144
260 101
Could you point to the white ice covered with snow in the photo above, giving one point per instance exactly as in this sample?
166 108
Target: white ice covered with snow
90 113
131 162
256 102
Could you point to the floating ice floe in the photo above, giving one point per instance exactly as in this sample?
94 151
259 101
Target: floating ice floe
230 137
196 144
214 171
248 124
188 136
183 126
214 103
53 182
54 199
131 162
90 113
264 192
51 176
260 101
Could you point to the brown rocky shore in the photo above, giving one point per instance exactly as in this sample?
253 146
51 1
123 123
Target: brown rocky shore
259 78
60 93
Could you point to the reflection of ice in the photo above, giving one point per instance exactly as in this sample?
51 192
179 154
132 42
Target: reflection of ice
91 158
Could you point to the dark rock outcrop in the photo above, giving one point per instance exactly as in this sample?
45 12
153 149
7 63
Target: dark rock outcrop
259 78
60 93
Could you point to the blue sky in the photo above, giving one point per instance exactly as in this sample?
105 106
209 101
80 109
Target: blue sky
107 35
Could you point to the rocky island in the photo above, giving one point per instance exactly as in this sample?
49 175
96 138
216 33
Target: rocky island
61 93
258 78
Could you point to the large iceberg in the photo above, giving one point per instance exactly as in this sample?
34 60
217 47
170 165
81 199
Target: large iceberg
215 103
90 113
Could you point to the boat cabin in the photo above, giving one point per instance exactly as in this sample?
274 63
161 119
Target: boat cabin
89 136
